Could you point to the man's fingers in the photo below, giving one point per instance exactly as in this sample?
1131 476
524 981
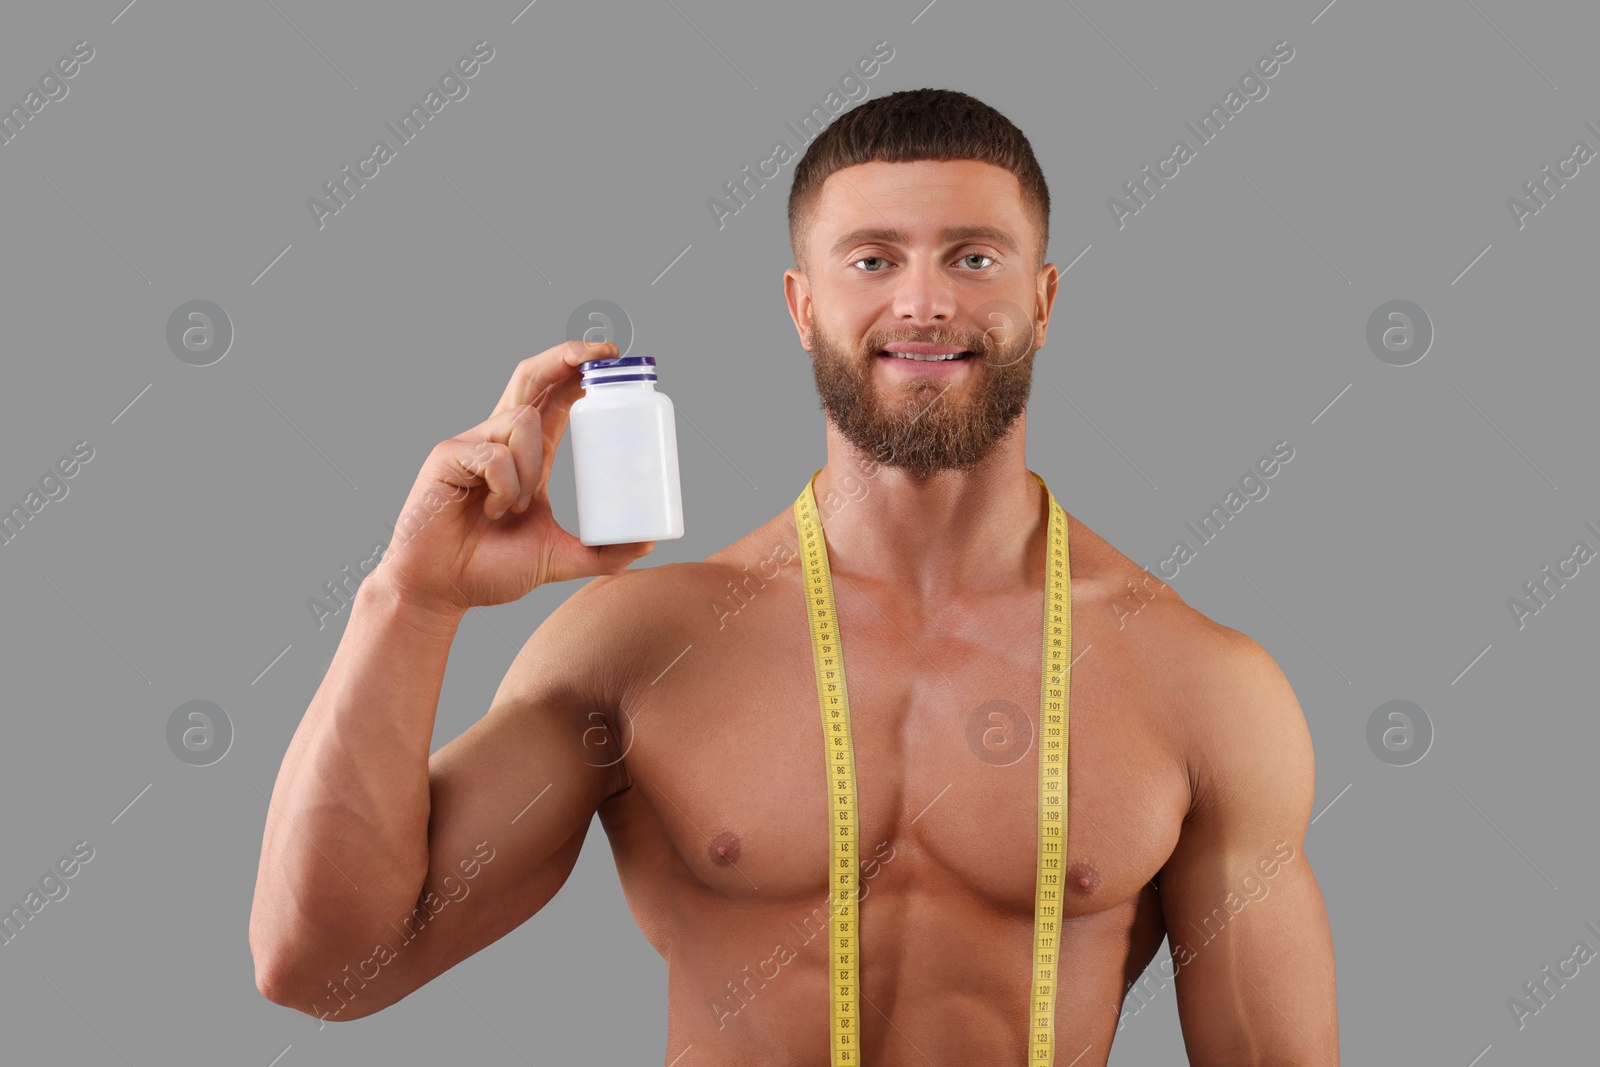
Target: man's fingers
483 462
521 429
571 558
537 373
527 450
554 415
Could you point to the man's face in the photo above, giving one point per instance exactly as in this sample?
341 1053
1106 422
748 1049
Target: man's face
868 288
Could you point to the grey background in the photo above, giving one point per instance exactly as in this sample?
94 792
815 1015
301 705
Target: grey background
1228 314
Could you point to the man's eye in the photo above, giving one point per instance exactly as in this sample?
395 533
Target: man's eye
864 259
978 255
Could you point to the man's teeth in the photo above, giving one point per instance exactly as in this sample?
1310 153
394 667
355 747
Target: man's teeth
915 355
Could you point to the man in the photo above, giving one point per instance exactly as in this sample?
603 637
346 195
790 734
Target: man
681 701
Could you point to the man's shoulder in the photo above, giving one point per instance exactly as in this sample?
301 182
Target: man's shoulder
1224 706
650 597
638 608
622 621
1202 668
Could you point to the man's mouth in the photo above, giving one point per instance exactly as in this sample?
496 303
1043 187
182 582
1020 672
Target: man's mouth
925 353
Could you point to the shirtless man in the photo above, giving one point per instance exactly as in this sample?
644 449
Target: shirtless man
680 701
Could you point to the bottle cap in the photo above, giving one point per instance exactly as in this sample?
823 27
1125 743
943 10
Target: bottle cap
618 369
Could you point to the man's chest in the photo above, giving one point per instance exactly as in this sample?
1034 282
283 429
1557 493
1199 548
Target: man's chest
727 748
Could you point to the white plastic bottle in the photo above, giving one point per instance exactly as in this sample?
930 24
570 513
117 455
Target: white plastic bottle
625 454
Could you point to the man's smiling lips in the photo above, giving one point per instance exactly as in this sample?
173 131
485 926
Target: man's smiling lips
922 357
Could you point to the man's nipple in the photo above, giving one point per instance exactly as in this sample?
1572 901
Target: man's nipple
1083 878
724 849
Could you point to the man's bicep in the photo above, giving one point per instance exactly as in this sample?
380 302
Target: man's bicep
512 799
1245 918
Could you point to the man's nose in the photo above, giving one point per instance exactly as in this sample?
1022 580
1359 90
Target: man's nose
924 293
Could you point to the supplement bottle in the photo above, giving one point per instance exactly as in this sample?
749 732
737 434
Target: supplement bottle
625 454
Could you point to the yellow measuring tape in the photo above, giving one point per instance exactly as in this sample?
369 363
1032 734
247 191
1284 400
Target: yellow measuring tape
828 656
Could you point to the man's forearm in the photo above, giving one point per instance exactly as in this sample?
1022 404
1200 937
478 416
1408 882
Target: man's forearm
346 839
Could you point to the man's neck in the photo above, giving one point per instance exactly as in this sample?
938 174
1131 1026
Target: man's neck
953 533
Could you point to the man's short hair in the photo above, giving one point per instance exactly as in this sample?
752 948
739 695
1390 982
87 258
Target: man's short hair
913 125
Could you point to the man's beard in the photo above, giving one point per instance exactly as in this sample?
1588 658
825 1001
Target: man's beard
919 430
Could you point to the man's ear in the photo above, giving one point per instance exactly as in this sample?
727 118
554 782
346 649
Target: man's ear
797 293
1049 282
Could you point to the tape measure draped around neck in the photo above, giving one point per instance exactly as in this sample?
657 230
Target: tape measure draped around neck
1055 683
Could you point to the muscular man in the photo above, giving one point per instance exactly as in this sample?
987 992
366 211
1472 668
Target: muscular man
680 701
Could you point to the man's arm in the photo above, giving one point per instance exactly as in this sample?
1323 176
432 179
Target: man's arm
372 847
383 867
1245 919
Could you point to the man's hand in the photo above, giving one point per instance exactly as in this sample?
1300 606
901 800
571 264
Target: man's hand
477 527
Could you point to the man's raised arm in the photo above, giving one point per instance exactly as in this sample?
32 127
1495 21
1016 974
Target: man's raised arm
372 849
1245 920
